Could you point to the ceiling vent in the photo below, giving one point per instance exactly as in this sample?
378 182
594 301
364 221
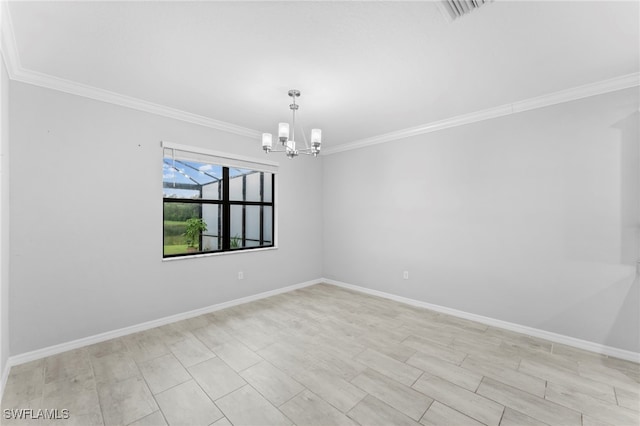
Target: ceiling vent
454 9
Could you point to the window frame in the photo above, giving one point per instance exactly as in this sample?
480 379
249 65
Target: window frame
227 161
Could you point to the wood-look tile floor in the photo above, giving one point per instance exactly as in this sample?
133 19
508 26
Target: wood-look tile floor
323 355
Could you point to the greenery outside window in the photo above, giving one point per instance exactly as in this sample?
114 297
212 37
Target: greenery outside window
215 203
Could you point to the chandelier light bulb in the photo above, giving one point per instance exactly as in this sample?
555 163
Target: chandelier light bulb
283 132
316 137
267 141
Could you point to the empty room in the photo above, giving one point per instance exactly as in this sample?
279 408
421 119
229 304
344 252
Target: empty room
320 213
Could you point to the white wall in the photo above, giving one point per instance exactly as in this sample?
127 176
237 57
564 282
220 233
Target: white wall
530 218
86 185
4 217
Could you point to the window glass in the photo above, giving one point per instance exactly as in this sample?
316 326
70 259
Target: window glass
267 220
212 216
268 187
237 212
249 185
251 226
198 218
183 228
190 179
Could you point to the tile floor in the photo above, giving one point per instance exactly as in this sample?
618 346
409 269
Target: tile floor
323 355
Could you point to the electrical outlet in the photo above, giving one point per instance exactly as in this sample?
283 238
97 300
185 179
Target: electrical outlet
241 275
405 275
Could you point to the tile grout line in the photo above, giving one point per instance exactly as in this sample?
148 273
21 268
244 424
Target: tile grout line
417 378
289 376
426 409
149 388
93 373
299 392
478 387
262 395
195 381
466 355
504 409
537 397
354 326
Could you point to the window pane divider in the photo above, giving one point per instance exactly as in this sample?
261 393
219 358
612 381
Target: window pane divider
218 238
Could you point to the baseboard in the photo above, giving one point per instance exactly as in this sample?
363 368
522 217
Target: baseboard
535 332
90 340
79 343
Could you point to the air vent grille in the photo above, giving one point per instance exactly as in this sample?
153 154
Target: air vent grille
458 8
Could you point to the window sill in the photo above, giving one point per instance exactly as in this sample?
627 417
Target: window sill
222 253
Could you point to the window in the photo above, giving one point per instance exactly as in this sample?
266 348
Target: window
215 203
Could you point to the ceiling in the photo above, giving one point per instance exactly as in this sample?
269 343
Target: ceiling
364 68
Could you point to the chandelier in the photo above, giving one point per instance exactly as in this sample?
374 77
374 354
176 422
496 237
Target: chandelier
289 144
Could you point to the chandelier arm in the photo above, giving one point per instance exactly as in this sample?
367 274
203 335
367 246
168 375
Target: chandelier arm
304 137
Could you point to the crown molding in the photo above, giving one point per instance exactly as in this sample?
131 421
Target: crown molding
8 46
55 83
572 94
18 73
593 89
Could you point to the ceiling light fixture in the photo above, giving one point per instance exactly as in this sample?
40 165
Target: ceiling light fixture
289 144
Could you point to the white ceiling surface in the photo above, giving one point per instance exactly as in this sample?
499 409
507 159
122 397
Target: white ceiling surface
364 68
